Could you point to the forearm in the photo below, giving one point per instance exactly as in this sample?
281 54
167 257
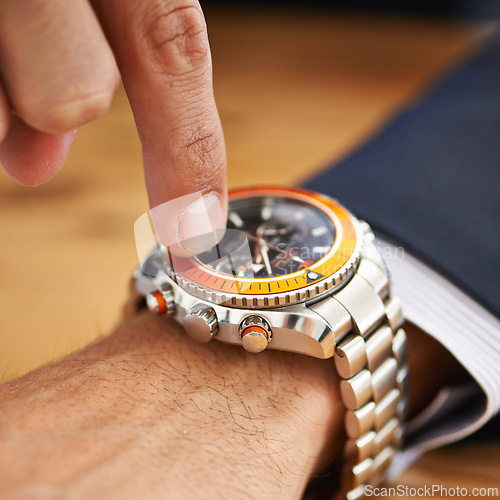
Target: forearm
147 411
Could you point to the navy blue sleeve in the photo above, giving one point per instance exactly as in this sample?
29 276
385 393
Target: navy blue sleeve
430 180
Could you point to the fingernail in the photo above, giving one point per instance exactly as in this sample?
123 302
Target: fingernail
202 225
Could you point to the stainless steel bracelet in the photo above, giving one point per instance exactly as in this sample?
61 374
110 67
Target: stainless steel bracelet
370 359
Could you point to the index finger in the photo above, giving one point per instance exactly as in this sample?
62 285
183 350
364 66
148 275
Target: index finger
164 56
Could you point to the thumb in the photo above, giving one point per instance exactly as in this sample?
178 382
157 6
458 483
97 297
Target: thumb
163 53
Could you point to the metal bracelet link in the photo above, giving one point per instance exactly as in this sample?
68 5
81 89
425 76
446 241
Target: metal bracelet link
370 360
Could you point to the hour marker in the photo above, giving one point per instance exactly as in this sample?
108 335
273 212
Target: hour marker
235 219
266 212
256 267
298 215
321 250
319 231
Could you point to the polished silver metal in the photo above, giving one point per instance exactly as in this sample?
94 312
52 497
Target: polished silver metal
383 379
296 329
384 436
402 409
403 379
378 347
356 493
399 346
355 476
166 295
335 315
375 429
386 408
358 450
382 461
255 333
357 390
350 356
201 323
376 276
360 421
349 316
365 307
399 435
393 313
370 252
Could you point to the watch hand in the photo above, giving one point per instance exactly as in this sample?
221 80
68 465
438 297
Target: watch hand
271 247
257 254
270 231
256 267
264 251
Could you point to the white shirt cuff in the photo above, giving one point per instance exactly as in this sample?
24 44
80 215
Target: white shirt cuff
467 330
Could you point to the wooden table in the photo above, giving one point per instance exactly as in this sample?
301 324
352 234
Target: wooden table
295 91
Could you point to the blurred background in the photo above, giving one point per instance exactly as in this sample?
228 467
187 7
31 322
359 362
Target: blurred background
297 88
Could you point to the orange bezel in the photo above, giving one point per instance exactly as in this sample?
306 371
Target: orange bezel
203 281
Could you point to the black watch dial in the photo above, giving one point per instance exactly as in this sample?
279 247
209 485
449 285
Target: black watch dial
271 236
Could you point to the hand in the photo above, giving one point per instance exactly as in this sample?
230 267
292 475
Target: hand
148 413
58 71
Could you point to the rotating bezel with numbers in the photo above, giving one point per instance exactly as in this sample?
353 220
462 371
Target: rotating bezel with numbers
282 246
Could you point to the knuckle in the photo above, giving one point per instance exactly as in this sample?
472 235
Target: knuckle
202 148
175 36
69 112
202 152
201 143
77 96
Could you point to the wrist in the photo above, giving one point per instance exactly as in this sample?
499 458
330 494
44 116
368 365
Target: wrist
189 414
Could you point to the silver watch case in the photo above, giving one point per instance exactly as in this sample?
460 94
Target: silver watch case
312 326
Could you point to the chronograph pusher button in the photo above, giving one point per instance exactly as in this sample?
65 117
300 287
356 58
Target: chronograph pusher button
161 301
255 333
201 323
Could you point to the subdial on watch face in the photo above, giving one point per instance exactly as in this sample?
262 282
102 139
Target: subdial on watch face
282 236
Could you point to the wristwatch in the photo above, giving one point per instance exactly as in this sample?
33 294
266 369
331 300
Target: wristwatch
296 271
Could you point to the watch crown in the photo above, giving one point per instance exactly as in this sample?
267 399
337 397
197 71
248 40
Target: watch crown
255 333
161 301
201 323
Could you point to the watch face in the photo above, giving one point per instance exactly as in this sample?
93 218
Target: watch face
282 246
284 236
